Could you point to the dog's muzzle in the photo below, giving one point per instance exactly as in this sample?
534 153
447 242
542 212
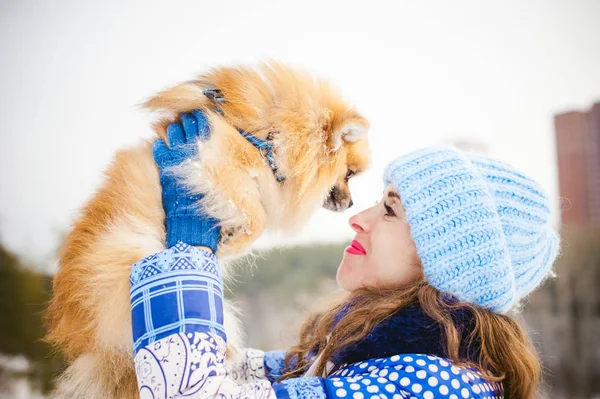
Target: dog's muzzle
338 200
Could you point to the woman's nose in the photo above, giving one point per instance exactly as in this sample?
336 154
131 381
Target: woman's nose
358 223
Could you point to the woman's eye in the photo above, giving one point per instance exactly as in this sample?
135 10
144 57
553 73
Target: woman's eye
388 210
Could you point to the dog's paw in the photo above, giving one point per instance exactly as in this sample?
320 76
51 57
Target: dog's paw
234 242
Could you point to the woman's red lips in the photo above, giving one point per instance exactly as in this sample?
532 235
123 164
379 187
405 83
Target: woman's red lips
356 249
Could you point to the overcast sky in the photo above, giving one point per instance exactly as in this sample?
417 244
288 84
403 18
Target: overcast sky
423 72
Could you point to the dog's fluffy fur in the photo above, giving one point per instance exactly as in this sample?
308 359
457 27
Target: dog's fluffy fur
319 143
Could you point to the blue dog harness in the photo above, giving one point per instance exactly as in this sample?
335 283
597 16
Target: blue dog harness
264 146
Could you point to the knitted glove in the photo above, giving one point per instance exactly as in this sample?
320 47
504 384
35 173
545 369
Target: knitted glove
185 221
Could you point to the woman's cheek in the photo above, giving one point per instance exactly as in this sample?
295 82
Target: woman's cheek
379 275
369 277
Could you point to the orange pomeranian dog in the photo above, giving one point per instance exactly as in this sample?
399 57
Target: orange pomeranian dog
318 143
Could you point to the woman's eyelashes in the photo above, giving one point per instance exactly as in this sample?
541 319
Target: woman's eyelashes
388 210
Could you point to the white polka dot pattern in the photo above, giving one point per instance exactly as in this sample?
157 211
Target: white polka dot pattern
409 376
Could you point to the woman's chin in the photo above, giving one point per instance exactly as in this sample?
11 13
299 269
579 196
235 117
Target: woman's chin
340 276
344 277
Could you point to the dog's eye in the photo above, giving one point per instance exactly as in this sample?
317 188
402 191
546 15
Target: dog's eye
349 174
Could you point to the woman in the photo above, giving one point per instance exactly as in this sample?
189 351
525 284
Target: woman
453 245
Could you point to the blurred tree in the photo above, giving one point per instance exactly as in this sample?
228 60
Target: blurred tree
287 271
23 297
277 289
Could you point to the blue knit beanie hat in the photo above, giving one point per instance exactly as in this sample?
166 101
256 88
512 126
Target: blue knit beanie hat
482 229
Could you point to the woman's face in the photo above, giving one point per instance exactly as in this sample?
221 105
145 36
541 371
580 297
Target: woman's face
383 253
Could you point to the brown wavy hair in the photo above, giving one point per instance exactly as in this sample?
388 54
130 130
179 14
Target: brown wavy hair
506 353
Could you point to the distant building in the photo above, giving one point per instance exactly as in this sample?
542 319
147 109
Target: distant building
578 153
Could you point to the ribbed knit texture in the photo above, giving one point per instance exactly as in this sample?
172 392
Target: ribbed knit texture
185 220
482 229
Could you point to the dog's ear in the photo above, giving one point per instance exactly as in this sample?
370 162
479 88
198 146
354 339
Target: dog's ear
354 131
349 132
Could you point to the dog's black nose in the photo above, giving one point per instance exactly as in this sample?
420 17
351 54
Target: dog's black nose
350 204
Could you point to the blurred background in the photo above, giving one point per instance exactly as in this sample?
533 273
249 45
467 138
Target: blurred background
517 80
